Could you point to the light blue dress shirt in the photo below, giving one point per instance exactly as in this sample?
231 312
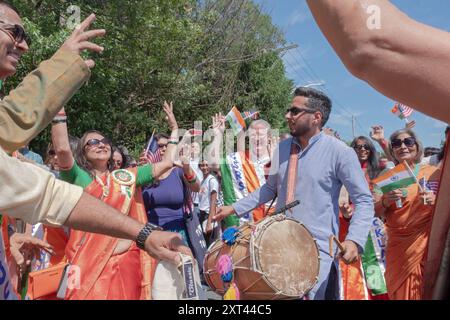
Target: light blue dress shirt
323 167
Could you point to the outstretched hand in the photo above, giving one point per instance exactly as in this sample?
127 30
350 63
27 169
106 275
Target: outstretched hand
79 40
223 212
166 246
24 248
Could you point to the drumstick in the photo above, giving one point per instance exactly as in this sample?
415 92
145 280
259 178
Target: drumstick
339 244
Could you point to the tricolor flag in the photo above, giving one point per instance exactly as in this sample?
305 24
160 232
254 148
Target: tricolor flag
398 177
402 111
236 120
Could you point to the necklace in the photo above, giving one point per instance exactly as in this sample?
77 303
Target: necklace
105 188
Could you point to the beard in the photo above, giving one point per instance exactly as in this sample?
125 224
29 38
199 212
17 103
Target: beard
300 130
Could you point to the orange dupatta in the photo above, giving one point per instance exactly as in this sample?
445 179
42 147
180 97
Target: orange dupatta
408 230
82 246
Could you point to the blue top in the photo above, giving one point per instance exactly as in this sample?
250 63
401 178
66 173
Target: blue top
164 201
323 167
30 155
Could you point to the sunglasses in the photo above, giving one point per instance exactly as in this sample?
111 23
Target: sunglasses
361 146
295 111
162 145
16 32
409 142
96 142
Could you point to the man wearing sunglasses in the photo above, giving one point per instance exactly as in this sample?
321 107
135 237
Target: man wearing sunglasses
324 164
34 195
407 61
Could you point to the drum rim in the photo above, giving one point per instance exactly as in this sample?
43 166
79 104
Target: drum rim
255 238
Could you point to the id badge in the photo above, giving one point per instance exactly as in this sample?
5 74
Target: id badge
62 289
190 285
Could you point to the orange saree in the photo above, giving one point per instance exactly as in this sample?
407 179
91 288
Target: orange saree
408 230
102 274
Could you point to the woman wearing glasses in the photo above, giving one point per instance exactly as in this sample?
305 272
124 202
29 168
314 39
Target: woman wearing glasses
355 276
108 267
407 224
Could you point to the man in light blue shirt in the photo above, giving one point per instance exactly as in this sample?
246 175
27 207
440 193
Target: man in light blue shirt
324 165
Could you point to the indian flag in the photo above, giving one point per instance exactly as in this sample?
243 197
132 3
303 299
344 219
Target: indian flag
236 121
399 177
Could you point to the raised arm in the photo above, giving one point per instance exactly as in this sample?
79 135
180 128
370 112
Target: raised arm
29 108
169 157
60 139
400 57
377 134
213 152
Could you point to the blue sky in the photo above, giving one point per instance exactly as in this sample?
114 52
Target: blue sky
315 61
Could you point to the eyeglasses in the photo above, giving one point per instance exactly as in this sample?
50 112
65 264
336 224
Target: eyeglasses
295 111
96 142
409 142
16 32
361 146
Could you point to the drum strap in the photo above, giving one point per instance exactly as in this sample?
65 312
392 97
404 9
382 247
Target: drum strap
292 173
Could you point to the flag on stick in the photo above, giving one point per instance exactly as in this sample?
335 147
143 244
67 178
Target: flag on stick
402 111
153 153
252 114
398 177
236 120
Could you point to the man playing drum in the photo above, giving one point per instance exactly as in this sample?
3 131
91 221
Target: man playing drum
312 167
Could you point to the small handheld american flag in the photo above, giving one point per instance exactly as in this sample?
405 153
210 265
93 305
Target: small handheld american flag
153 152
429 185
402 111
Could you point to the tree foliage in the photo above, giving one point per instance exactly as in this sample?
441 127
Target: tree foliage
206 56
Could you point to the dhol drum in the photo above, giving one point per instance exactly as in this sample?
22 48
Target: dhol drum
272 260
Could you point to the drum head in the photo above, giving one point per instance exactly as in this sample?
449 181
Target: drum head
287 255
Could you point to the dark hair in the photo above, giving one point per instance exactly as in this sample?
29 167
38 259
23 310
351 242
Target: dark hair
373 169
122 154
9 5
80 157
317 100
429 151
160 136
73 142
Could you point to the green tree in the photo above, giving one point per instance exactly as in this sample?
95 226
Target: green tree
204 55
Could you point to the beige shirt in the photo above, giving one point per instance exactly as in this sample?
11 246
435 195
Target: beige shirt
26 191
33 194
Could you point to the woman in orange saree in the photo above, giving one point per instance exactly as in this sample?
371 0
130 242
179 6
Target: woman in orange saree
408 226
102 267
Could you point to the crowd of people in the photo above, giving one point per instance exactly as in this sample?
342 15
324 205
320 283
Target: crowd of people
91 208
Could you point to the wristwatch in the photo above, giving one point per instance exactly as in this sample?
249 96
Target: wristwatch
144 233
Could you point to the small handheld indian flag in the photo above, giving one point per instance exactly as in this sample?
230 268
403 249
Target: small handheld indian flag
402 111
399 177
236 120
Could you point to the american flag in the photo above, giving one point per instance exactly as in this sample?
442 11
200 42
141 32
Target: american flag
401 110
430 185
153 152
252 114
